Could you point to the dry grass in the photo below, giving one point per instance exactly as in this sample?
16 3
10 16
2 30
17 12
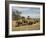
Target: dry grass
26 27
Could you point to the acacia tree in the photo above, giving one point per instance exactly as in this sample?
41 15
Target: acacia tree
28 17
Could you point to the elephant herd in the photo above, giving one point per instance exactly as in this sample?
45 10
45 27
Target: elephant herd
25 22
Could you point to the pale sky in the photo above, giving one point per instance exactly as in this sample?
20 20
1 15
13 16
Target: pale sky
28 11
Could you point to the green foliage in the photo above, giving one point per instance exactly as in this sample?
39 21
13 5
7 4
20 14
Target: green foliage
16 15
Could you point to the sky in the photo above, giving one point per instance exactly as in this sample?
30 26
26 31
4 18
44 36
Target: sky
28 11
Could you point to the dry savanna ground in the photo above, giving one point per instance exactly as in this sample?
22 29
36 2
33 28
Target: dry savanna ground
35 26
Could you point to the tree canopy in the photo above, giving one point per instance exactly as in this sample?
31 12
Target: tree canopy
16 14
